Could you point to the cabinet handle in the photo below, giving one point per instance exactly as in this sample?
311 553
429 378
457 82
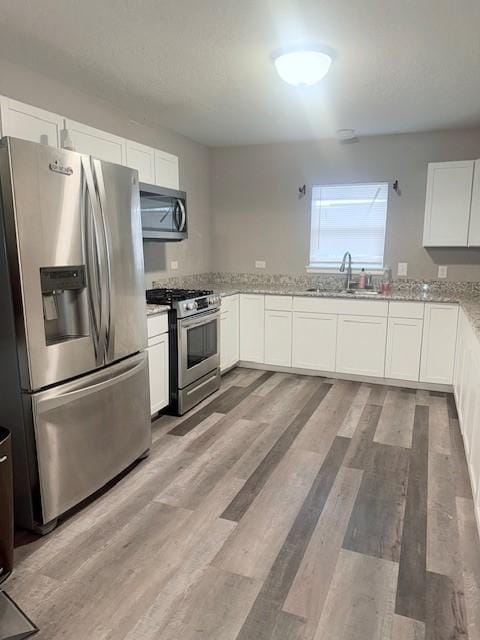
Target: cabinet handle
3 459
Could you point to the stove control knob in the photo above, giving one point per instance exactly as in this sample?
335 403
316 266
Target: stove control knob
190 306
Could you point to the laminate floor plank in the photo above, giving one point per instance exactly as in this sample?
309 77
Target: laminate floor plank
355 412
251 549
283 507
259 477
361 600
395 425
321 429
309 589
411 589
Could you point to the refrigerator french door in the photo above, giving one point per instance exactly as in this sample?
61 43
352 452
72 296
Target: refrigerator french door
71 276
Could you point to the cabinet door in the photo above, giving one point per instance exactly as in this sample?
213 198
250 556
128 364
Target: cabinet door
97 143
278 338
252 328
447 205
314 341
166 170
439 341
141 158
361 345
404 346
229 334
474 230
159 373
29 123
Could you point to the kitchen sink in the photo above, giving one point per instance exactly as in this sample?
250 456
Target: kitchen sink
359 292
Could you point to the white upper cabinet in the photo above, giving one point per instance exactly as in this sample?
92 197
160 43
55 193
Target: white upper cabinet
474 231
97 143
447 205
439 342
141 158
166 170
29 123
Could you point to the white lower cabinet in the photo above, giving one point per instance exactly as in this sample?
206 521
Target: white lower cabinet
278 338
439 341
404 345
159 372
229 332
252 328
314 339
361 345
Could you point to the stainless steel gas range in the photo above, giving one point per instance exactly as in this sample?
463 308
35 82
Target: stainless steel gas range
194 333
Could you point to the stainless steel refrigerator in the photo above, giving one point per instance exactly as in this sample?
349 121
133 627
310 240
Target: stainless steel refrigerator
73 370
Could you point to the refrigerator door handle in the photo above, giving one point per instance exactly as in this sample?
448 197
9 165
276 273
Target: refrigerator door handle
79 390
90 253
110 325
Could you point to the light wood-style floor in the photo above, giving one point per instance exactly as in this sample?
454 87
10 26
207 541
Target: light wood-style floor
285 507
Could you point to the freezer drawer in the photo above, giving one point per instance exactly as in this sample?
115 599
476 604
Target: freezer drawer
88 431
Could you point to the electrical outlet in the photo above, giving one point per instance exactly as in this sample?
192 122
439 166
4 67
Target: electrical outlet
260 264
173 265
442 272
402 268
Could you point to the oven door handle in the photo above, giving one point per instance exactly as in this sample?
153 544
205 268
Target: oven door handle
199 320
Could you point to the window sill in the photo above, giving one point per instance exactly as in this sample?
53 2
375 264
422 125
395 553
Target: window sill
333 270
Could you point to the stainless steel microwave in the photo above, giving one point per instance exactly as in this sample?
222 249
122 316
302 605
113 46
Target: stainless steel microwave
164 213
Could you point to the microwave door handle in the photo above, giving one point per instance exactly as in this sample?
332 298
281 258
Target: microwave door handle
107 282
91 231
176 220
184 215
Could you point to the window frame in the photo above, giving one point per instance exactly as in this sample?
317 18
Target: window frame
313 267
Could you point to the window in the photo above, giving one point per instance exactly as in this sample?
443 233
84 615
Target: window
348 217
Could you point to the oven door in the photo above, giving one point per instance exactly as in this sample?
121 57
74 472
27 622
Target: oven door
198 347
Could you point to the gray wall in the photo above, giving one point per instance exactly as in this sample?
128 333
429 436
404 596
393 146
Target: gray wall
193 255
257 214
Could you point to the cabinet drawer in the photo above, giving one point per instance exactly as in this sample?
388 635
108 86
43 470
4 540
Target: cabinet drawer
157 325
315 305
278 303
377 308
406 309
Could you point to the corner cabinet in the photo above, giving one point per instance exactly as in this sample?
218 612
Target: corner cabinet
229 332
439 343
451 217
23 121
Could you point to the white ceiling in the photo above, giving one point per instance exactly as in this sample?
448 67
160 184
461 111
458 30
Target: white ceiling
203 68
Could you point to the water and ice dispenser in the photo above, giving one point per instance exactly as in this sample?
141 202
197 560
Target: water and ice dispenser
65 303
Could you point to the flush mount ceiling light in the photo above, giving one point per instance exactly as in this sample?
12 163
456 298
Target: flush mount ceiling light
305 66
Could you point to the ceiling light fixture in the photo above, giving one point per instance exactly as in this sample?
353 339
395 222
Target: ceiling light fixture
306 66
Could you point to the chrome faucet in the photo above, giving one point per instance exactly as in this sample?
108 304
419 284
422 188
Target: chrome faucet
348 279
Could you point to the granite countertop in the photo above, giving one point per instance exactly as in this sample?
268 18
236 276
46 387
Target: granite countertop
286 290
154 309
470 303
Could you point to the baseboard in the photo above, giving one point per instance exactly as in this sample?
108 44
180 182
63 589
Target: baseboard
391 382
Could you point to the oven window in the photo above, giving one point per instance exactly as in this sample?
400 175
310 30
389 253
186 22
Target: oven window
201 343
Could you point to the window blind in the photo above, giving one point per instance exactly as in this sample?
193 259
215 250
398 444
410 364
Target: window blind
348 217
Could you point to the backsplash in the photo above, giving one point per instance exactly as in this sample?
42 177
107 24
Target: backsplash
324 281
